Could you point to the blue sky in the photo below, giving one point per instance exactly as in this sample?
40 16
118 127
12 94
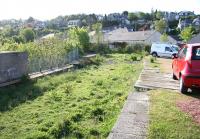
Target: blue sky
48 9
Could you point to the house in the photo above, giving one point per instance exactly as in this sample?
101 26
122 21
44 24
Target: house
114 17
196 23
48 36
170 16
184 23
74 23
122 35
195 39
185 14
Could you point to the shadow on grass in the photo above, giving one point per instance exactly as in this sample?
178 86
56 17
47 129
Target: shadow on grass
13 95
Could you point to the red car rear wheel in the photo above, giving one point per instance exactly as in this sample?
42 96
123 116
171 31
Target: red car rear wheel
183 89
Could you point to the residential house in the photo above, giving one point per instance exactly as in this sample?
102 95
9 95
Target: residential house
184 23
195 39
122 35
185 14
196 23
74 23
114 17
171 16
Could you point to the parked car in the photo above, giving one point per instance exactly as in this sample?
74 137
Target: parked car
163 50
186 67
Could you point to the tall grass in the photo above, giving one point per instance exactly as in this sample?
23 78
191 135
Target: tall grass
80 104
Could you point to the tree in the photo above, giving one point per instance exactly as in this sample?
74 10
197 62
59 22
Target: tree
141 15
164 37
97 28
159 15
78 37
125 13
160 25
27 34
186 34
132 16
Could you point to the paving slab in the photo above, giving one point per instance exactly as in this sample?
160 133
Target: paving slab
133 120
153 79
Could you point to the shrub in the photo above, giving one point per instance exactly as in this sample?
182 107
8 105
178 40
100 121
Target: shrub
94 132
77 117
133 58
152 59
97 60
98 112
61 129
147 48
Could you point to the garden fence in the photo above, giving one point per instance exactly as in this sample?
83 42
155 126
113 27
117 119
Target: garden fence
47 62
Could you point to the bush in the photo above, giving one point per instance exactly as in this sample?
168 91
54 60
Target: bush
134 58
97 60
152 59
147 48
94 132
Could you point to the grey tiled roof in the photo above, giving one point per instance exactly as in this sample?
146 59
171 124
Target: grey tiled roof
195 39
128 36
122 35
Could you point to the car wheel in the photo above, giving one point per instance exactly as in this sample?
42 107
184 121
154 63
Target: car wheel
174 76
183 89
154 55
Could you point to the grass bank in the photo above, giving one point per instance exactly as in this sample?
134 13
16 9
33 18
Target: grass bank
167 121
80 104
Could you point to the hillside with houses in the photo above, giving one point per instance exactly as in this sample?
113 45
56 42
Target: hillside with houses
171 23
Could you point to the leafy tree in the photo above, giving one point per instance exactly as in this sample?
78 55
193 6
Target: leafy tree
148 17
97 28
141 15
125 13
8 31
27 34
78 37
160 25
164 37
30 19
132 16
159 15
186 34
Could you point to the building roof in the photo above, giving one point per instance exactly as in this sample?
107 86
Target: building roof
195 39
121 35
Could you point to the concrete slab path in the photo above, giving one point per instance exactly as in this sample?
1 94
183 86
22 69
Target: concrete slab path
133 120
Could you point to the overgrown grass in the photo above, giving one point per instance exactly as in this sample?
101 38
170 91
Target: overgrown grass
153 62
80 104
167 121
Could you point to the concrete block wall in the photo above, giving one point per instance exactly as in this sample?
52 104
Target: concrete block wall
13 65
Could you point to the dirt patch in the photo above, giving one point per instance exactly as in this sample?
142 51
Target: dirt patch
192 107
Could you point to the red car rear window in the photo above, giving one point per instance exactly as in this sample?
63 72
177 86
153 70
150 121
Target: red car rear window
196 53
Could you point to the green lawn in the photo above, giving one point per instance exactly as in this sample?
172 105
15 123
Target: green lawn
167 121
80 104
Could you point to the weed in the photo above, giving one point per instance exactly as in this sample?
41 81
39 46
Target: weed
152 59
133 58
77 117
94 132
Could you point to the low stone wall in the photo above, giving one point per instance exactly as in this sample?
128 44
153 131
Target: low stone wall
13 65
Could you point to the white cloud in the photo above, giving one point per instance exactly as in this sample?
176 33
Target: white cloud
47 9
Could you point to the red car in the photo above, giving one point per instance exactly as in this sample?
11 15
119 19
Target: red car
186 67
